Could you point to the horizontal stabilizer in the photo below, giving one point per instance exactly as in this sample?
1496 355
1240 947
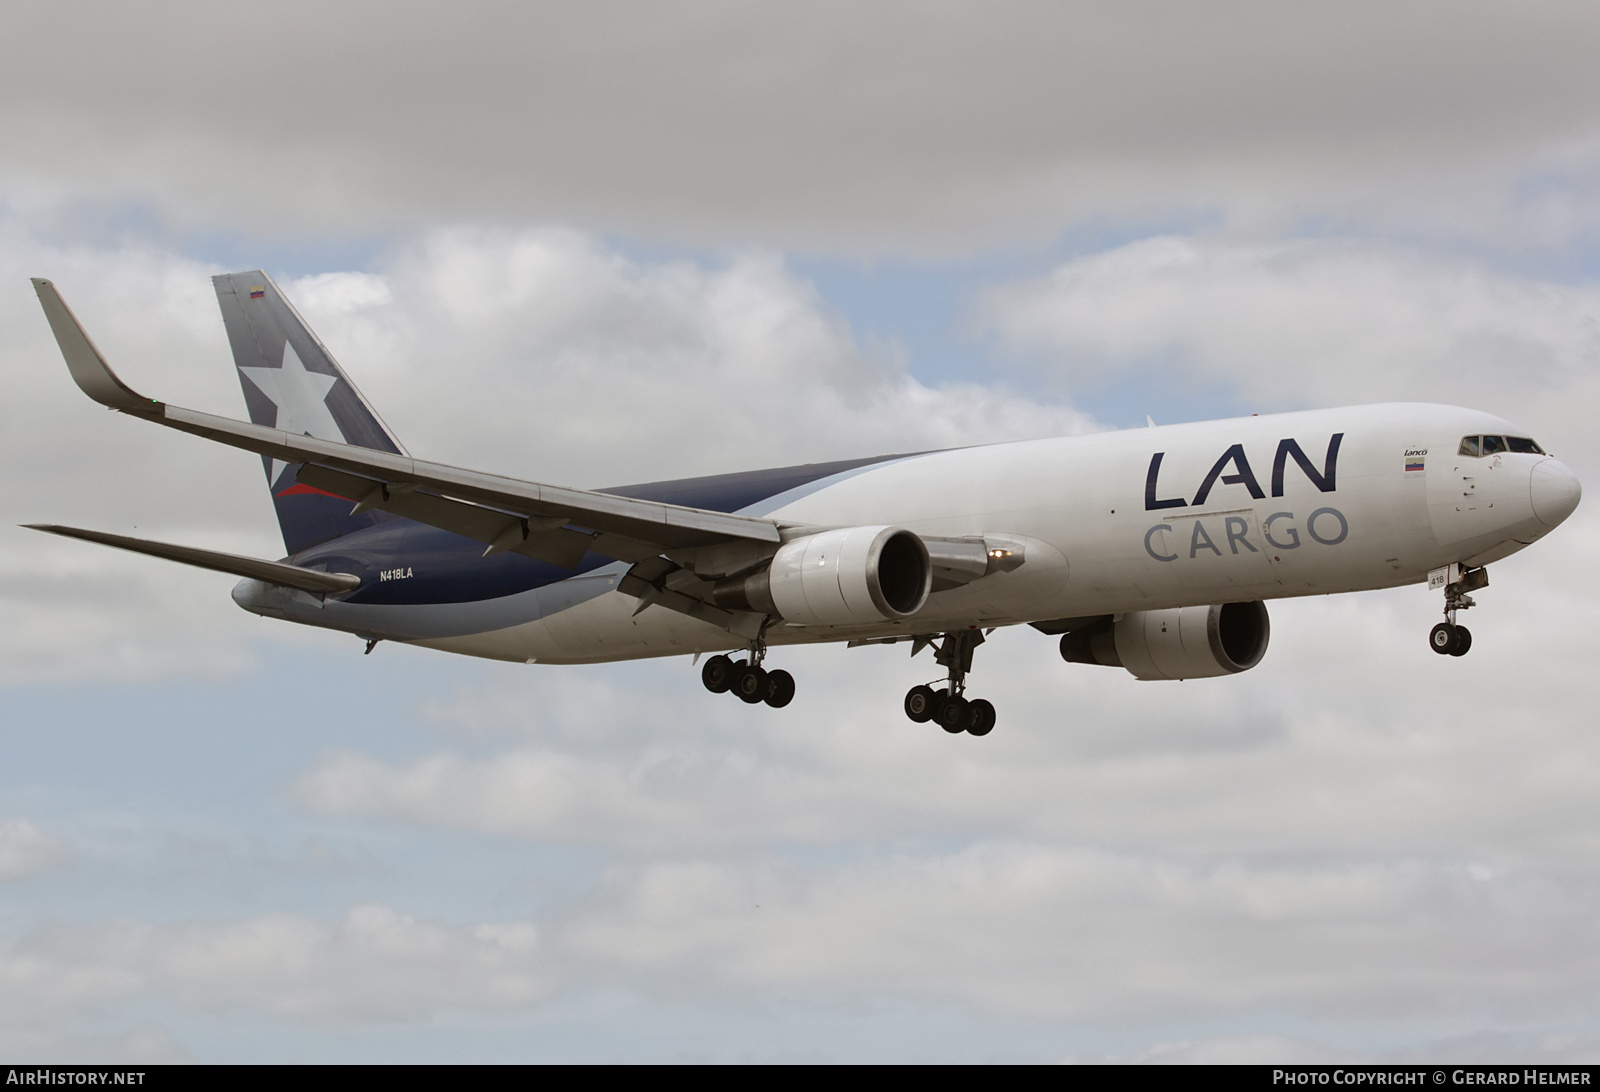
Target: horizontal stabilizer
272 572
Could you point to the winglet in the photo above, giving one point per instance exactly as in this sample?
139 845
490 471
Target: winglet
89 369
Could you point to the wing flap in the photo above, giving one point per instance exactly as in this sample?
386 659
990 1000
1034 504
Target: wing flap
272 572
657 582
492 526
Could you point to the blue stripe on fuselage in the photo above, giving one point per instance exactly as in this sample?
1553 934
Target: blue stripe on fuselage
402 562
734 492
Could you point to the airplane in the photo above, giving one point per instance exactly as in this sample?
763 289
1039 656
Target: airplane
1149 549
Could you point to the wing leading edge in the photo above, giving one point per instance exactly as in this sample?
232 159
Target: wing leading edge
551 523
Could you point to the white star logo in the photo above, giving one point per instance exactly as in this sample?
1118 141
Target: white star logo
300 396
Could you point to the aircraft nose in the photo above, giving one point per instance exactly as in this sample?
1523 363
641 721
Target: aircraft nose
1554 490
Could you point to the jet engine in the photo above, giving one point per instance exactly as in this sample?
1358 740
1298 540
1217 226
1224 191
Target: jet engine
849 576
1181 643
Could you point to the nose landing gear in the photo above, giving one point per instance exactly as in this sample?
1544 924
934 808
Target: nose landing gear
1448 638
950 708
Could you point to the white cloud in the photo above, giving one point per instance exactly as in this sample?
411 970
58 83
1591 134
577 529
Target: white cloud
1428 949
374 964
1316 322
74 610
149 1044
1068 933
550 355
26 851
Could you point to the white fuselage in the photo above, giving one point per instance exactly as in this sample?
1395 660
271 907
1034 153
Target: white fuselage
1101 535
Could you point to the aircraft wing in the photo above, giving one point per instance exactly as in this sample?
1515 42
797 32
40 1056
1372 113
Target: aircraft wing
552 523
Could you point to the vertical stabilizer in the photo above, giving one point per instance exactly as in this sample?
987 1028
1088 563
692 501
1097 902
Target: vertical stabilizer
292 382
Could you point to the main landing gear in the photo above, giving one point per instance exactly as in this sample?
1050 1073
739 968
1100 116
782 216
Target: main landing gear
748 680
949 708
1447 638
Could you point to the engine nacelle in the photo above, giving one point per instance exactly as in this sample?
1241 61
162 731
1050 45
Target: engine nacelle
1181 643
850 576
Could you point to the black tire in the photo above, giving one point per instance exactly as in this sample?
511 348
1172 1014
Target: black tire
780 688
1442 638
750 683
717 674
1463 641
920 703
980 717
953 714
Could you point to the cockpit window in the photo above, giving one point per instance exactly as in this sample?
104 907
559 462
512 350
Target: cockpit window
1476 446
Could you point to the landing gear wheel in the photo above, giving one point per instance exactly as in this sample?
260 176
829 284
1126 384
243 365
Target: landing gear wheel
953 714
1463 641
780 688
1442 638
717 674
750 683
921 702
980 717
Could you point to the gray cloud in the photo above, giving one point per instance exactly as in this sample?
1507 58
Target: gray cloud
831 126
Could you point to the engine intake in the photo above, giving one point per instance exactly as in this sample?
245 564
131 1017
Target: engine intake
1180 643
850 576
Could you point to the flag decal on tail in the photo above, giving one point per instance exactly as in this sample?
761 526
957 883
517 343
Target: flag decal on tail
258 291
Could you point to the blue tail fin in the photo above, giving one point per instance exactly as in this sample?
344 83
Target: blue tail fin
292 382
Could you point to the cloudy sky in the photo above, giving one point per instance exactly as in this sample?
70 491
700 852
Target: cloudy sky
612 242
